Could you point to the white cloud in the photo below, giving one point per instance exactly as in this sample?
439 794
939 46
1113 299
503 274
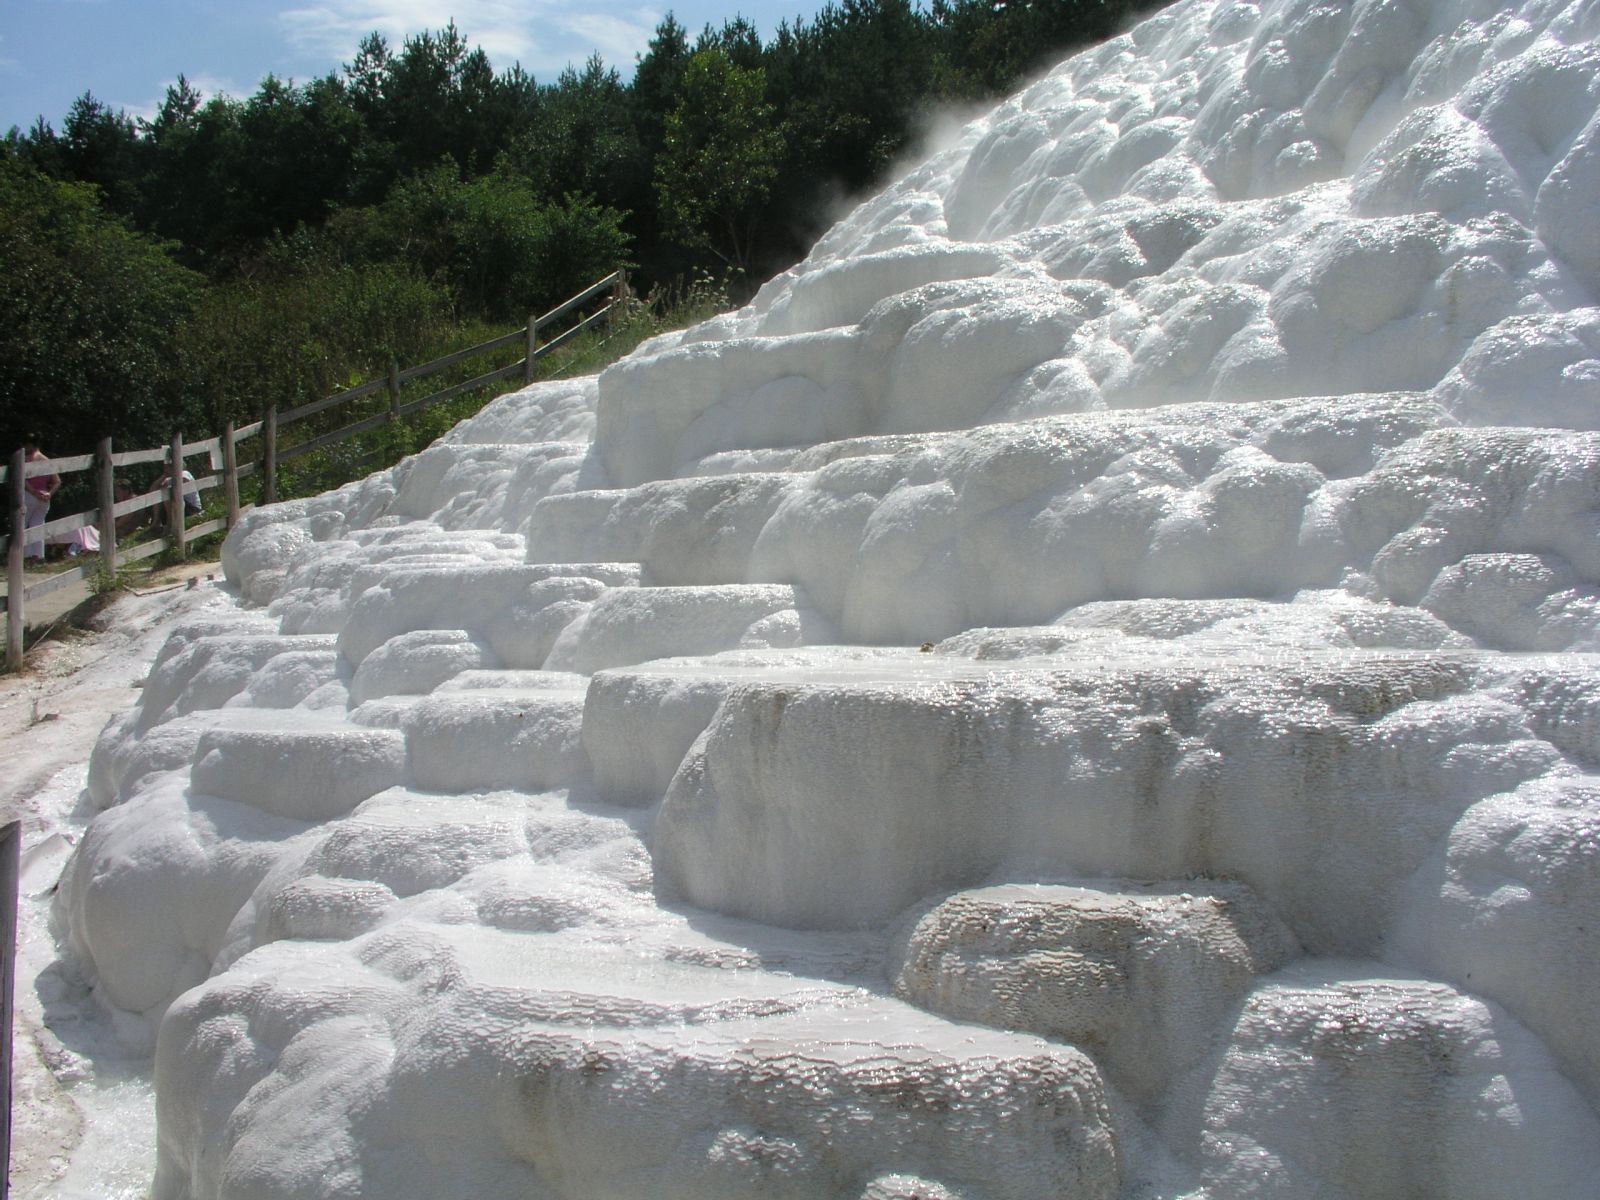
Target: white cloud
213 85
618 36
207 85
543 35
333 27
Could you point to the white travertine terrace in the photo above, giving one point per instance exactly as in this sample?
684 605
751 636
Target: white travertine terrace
1087 686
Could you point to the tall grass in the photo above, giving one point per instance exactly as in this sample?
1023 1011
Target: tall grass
665 309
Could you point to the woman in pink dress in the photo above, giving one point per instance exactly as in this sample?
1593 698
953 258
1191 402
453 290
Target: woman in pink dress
36 493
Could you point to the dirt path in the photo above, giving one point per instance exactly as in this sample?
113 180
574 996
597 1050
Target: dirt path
50 716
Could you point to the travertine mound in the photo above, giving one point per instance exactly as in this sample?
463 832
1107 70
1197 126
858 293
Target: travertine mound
1085 687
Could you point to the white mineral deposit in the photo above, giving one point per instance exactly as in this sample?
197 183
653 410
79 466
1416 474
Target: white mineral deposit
1085 687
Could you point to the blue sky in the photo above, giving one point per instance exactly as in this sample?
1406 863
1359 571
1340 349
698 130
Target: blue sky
127 51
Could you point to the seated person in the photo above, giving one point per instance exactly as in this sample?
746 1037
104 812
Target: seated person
128 522
78 541
191 497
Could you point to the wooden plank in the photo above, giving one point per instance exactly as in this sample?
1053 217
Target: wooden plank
122 508
450 360
566 306
247 470
59 466
458 389
316 406
239 435
176 513
138 504
129 458
215 525
15 584
211 446
230 475
561 339
56 582
338 435
269 457
10 891
146 550
68 524
106 485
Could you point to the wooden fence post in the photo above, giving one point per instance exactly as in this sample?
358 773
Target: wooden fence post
533 344
230 474
10 885
394 390
14 580
175 512
106 474
269 459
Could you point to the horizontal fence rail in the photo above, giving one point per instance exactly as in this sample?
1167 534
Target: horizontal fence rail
221 453
535 348
103 518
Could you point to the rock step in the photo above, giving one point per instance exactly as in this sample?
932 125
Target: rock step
1140 975
632 625
320 583
609 1062
559 962
1020 523
837 794
417 662
207 671
298 769
640 721
495 601
775 1084
683 531
465 740
123 759
1418 1088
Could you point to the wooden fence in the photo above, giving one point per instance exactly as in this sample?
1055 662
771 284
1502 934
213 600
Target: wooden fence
222 459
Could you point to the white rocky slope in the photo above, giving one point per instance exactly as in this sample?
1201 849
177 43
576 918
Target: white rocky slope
1086 687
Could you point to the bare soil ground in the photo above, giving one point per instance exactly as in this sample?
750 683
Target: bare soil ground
87 671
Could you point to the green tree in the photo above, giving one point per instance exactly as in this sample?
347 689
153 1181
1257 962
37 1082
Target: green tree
737 39
193 192
101 147
92 314
983 49
498 248
302 324
582 138
435 98
300 148
719 157
656 76
577 241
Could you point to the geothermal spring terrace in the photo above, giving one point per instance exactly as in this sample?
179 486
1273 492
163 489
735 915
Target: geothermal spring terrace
1086 687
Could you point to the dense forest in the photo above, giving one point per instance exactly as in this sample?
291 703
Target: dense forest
229 253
